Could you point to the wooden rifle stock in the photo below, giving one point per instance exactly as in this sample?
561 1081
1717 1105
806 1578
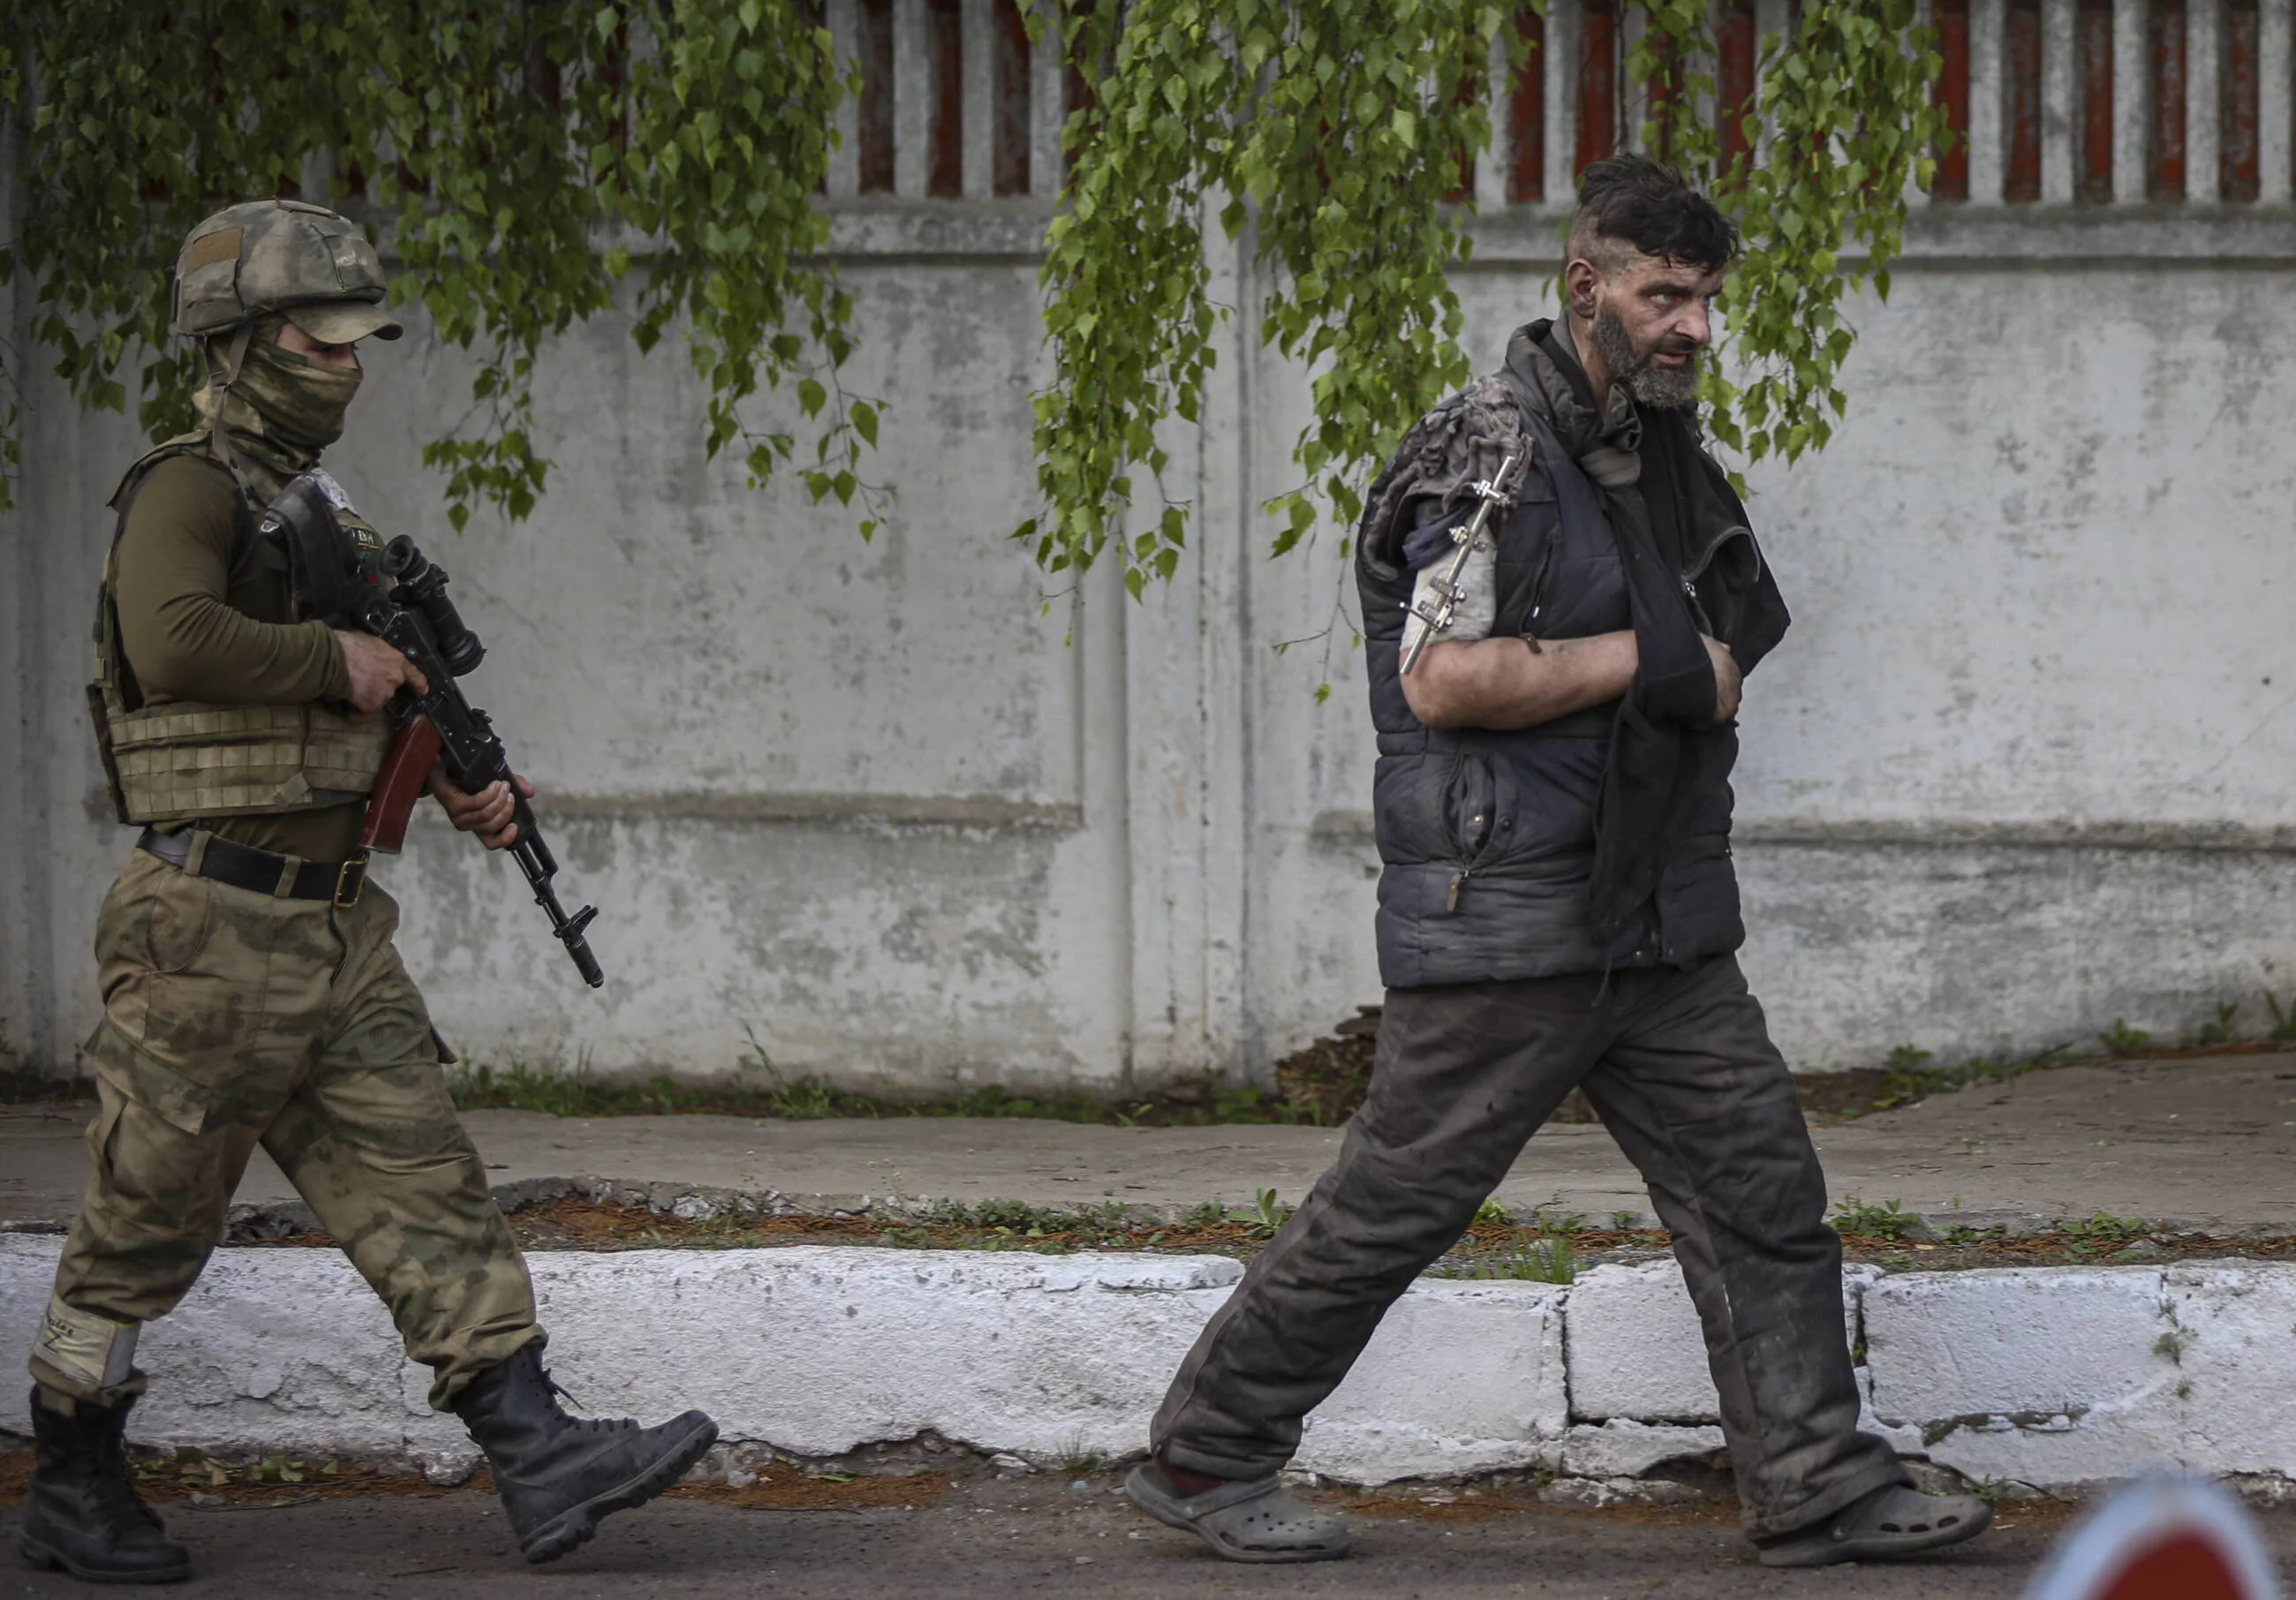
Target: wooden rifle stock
405 772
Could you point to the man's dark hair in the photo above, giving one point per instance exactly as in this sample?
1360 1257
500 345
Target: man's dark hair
1633 201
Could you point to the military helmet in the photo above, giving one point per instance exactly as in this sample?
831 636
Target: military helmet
284 256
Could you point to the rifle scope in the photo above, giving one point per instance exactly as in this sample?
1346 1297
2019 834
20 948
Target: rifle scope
422 583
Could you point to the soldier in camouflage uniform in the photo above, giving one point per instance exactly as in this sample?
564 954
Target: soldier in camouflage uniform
251 992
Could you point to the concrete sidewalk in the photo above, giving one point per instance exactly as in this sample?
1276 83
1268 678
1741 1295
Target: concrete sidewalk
2202 1143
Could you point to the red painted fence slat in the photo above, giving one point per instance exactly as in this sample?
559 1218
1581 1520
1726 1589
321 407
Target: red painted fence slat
1598 85
1009 138
1735 56
876 141
2021 101
1526 115
2165 50
1951 20
2236 143
945 128
1599 127
1470 91
2092 60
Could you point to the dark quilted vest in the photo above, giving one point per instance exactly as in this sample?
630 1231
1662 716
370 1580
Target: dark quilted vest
1487 838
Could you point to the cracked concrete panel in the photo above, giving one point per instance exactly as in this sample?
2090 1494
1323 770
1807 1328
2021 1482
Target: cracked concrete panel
661 626
1623 1447
2007 948
1460 1378
823 1350
1945 1345
1636 1349
2118 490
274 1350
2232 1329
886 957
2048 1377
2052 1376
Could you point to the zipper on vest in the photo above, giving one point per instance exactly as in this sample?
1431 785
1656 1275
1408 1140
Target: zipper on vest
1458 881
1697 607
1538 577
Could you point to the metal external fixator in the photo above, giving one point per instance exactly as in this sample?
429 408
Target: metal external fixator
1494 491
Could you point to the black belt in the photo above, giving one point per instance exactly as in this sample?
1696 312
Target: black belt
243 867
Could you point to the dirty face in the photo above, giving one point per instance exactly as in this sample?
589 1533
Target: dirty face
1649 318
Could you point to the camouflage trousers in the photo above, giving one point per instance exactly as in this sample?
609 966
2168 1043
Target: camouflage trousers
233 1019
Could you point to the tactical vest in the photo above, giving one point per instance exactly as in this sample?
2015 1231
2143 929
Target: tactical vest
174 761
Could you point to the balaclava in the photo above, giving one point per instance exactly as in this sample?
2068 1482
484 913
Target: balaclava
280 410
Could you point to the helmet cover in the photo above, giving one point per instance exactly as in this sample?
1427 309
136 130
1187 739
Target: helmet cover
283 256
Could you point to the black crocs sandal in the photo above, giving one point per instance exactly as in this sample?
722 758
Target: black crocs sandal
1253 1519
1890 1522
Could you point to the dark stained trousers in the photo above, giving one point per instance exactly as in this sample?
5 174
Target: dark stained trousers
1680 1066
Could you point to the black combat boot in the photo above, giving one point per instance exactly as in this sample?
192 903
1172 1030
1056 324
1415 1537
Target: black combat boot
559 1474
83 1513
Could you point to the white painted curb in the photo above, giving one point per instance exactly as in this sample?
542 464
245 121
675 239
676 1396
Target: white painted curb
2047 1376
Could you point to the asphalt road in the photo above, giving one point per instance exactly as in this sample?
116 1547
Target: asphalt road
1004 1539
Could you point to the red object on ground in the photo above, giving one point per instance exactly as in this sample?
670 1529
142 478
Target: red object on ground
2161 1538
2187 1567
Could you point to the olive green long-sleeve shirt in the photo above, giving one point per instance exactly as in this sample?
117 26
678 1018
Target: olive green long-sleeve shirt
195 626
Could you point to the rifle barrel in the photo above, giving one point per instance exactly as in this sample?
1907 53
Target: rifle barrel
532 855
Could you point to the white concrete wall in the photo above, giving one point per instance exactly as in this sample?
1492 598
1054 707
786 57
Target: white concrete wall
2019 769
2052 1377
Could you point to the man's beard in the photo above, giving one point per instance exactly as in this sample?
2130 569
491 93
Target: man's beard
1652 384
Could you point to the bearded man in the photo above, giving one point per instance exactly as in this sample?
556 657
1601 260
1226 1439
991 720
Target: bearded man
1558 911
252 994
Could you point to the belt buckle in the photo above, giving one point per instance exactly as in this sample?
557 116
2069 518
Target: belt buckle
353 873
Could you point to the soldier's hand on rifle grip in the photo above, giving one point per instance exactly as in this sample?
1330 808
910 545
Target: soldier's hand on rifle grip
488 813
377 670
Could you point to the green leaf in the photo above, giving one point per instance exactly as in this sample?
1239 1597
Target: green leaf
1334 129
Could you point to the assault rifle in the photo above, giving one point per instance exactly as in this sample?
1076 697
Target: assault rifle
400 597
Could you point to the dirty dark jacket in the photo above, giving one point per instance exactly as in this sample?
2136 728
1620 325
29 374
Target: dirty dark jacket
1490 841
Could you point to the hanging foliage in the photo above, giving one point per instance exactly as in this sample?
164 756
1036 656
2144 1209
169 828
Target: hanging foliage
516 155
1329 134
1843 126
1331 127
513 156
